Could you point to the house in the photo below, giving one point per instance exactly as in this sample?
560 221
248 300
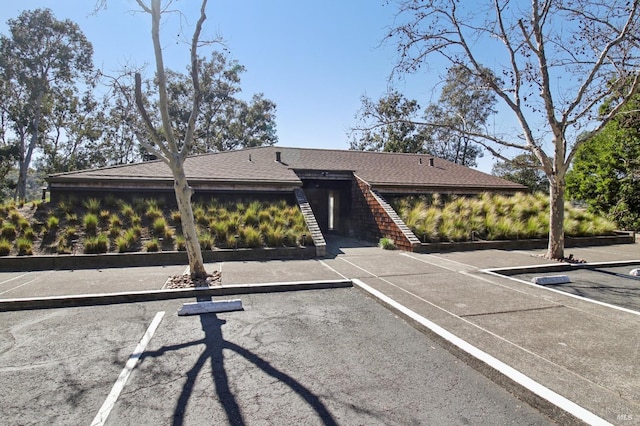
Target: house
339 191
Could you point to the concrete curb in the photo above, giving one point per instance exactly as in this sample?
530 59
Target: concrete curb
155 295
123 260
557 267
541 243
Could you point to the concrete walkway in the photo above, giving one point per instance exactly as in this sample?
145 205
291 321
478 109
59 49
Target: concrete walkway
575 353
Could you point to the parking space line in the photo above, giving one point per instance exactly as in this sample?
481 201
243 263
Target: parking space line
104 411
14 278
21 285
564 293
508 371
322 262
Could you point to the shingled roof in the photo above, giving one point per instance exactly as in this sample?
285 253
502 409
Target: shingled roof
259 166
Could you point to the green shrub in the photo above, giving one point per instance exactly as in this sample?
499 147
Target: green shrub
90 222
386 244
29 234
206 240
168 234
264 216
96 244
92 205
66 206
5 247
104 216
62 247
114 231
23 224
159 226
52 223
15 216
70 233
220 229
114 221
275 236
127 210
176 217
251 237
180 243
23 245
152 245
71 217
122 244
8 231
136 220
153 213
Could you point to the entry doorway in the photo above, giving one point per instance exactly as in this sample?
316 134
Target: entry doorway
330 202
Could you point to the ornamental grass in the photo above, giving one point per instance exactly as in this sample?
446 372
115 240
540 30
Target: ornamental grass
493 217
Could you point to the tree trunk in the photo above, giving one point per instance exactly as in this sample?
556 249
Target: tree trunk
183 197
556 219
25 158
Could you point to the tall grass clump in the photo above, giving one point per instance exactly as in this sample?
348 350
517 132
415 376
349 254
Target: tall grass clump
92 205
206 240
127 210
251 237
8 231
180 243
24 246
96 244
90 222
152 245
52 223
5 247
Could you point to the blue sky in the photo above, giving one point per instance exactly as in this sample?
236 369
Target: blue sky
314 59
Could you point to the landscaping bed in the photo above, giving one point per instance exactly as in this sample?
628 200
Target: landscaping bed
110 226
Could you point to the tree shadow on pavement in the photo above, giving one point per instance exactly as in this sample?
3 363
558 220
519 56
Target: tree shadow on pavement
215 344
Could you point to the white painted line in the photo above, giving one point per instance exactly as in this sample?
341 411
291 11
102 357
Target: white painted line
439 265
109 403
322 262
510 372
23 284
14 278
564 293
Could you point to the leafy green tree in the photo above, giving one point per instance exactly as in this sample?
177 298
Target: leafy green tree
388 125
462 110
525 170
606 170
41 56
445 129
226 122
75 129
554 63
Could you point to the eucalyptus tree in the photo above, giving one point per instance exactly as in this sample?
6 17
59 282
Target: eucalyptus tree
387 125
172 145
225 122
444 129
553 64
40 56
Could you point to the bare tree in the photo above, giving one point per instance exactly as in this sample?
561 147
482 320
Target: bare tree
166 145
552 65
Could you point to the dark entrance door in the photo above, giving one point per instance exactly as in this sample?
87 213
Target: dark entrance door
330 201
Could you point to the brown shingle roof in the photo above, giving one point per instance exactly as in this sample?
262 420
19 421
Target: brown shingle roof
258 165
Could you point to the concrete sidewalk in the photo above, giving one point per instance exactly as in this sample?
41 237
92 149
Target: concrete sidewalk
582 351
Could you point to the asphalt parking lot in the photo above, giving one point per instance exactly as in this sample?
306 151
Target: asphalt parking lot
306 357
607 284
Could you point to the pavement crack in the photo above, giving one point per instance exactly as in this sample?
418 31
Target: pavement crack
543 308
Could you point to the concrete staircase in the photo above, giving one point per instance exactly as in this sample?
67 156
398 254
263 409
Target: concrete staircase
316 234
